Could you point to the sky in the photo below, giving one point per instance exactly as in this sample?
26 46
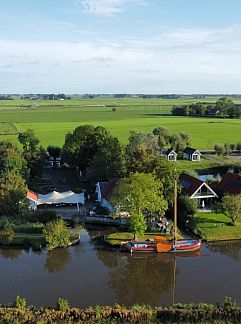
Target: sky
120 46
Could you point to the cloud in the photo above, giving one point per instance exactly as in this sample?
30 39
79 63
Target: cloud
194 60
104 7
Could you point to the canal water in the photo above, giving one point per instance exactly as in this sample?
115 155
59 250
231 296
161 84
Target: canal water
90 274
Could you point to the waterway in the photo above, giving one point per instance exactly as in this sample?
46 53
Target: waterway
90 274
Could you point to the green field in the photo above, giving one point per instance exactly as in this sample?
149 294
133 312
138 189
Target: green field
52 119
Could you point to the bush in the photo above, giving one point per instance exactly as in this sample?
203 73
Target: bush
62 304
6 236
57 234
20 302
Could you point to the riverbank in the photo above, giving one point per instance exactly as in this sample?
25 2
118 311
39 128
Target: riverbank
35 241
229 312
217 227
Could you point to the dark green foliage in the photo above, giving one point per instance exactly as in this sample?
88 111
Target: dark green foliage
43 216
187 205
96 148
54 151
32 152
219 149
78 150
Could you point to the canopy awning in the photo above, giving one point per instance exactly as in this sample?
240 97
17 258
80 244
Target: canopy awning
55 197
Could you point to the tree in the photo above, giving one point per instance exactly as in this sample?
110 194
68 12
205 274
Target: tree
141 149
180 141
231 205
219 149
109 160
163 136
227 148
13 191
78 150
223 105
238 146
140 193
54 151
234 111
165 171
188 206
137 224
32 152
57 234
11 159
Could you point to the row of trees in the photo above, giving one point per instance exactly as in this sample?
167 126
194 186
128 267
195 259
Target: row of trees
224 107
227 148
95 147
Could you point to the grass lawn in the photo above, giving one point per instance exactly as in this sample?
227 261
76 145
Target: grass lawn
216 227
51 120
115 239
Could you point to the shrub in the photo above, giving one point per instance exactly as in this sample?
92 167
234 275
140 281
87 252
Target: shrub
62 304
57 234
20 302
229 302
6 236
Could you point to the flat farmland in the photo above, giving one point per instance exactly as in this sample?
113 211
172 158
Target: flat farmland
51 120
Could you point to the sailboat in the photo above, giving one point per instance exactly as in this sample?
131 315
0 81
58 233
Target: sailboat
163 245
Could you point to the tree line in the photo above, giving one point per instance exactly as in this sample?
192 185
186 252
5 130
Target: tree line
224 107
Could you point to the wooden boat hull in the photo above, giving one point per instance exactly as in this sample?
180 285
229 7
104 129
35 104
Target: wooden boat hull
162 247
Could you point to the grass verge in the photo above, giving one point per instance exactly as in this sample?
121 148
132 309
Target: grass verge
216 227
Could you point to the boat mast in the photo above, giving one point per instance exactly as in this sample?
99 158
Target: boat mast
175 210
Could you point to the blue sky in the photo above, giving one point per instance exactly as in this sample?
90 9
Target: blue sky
113 46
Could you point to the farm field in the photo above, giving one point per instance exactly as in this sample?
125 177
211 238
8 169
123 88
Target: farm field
51 120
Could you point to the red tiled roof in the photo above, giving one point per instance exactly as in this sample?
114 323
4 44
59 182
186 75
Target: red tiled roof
32 195
189 183
231 183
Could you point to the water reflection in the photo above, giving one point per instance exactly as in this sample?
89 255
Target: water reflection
57 260
10 253
232 249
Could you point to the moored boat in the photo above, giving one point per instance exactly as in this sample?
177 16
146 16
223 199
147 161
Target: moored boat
134 246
